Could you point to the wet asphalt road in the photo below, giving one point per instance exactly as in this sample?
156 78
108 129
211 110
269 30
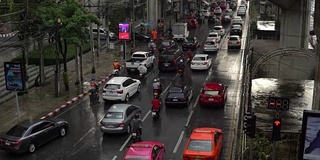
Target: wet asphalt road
84 141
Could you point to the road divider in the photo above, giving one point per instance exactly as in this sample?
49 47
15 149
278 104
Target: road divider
178 142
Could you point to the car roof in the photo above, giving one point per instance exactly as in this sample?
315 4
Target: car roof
121 107
140 52
212 33
144 148
235 36
176 89
29 122
201 55
236 25
212 86
217 27
203 133
117 80
170 51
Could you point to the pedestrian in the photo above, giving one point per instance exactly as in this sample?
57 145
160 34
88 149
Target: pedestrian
154 34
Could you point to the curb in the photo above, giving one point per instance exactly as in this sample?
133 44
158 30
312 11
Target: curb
73 100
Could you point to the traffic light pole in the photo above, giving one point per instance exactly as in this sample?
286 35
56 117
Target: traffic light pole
274 143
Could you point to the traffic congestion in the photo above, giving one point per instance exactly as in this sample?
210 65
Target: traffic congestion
174 99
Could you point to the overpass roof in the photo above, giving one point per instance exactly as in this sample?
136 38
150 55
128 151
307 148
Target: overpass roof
286 4
266 25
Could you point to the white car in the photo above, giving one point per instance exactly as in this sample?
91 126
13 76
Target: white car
206 13
211 46
241 12
201 62
217 10
234 42
121 88
242 6
237 22
219 29
214 36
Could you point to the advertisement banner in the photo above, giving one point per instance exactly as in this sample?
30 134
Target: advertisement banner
310 138
14 76
124 31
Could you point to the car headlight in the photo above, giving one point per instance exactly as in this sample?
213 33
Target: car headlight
146 37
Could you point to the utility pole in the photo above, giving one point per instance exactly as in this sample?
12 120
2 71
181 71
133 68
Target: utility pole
24 45
316 90
132 26
93 70
77 82
107 23
98 32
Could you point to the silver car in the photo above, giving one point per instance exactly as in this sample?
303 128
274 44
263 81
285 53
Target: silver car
234 42
118 118
211 46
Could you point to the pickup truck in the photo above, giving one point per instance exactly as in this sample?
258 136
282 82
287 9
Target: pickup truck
137 58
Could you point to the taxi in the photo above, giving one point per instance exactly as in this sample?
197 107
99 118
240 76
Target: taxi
145 151
204 144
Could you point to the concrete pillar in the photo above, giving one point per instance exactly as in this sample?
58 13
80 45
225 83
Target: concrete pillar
153 12
294 26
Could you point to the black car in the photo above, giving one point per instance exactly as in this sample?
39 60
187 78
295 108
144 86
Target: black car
28 135
169 59
236 30
141 37
190 43
167 44
179 96
213 19
226 19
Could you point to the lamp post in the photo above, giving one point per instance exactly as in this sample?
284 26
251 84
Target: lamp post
58 48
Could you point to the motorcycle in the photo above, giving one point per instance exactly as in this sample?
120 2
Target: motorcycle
93 93
155 114
180 72
188 60
136 136
116 72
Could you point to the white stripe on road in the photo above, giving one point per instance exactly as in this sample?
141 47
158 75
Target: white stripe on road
125 143
83 137
114 157
144 118
178 143
189 118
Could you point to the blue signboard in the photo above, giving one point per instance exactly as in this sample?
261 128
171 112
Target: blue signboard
14 76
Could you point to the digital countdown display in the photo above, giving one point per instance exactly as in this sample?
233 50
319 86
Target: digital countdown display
124 31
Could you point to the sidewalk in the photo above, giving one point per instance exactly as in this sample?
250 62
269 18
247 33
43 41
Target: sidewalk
34 105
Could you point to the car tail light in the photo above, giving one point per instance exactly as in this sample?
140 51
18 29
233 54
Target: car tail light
183 44
158 61
184 99
215 45
121 124
120 92
2 140
16 143
229 42
186 158
205 63
101 123
238 42
175 62
193 44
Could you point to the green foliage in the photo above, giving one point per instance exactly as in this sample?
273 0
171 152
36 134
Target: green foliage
117 17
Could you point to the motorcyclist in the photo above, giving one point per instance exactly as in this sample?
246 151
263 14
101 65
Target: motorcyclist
152 45
94 85
142 69
156 85
136 124
116 64
181 65
155 104
189 54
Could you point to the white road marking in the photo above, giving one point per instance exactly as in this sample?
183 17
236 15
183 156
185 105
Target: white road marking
83 137
178 143
144 118
189 118
125 143
196 102
115 157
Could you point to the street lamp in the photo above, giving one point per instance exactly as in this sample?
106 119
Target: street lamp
58 48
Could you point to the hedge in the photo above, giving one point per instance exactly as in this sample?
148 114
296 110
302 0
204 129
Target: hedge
49 55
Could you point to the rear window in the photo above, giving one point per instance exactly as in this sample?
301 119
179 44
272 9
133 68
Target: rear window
114 115
217 28
213 35
210 43
17 131
199 58
236 27
211 93
166 57
200 145
112 86
233 38
138 56
175 95
166 43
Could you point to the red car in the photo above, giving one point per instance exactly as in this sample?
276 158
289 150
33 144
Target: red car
213 94
192 23
146 151
223 5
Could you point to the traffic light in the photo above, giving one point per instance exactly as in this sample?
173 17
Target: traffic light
276 129
278 103
250 125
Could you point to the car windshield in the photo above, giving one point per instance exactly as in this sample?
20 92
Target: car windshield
175 95
114 115
199 58
166 43
200 145
211 93
233 38
236 27
112 86
166 57
17 131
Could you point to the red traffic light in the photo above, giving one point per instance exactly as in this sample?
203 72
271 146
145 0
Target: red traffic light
277 122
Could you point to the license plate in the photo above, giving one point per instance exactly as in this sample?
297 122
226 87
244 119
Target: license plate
110 126
154 113
134 134
166 64
132 69
175 100
210 99
8 143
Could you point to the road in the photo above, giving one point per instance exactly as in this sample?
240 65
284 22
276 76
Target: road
85 141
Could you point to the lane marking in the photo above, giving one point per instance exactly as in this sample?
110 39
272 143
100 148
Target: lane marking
178 143
83 137
145 116
114 157
125 143
196 102
189 118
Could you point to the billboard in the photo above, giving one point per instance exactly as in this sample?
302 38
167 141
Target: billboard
13 72
310 136
124 31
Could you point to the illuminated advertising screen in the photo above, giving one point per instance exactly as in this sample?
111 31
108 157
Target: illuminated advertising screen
14 76
310 136
124 31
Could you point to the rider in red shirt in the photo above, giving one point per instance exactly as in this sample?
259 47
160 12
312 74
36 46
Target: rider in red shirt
155 104
189 54
94 84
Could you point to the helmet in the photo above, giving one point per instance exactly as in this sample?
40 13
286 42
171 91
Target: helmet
181 60
136 116
151 41
93 79
156 80
116 60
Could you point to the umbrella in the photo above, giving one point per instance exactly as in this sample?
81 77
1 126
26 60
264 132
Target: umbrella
146 24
